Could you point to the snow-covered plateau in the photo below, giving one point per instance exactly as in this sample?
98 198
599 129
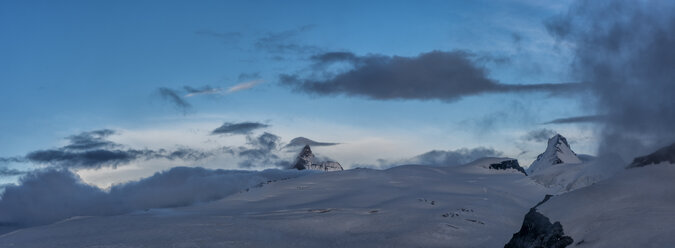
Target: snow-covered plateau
595 203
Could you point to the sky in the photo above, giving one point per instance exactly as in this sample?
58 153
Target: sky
119 90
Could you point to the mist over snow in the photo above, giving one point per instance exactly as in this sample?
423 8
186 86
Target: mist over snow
49 195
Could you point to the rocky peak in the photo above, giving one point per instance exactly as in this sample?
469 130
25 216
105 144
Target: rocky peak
305 161
558 151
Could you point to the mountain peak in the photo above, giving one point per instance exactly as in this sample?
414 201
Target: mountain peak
305 161
558 151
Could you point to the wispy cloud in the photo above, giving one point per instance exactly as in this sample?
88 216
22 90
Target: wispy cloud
244 86
302 141
283 42
204 90
578 119
174 98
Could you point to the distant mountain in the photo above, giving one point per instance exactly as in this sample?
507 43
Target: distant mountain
666 154
561 169
305 161
557 152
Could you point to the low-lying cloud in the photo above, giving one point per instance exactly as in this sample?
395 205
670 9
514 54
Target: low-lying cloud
436 75
49 195
443 158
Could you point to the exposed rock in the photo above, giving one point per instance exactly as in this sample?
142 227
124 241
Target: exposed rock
666 154
508 164
305 161
538 232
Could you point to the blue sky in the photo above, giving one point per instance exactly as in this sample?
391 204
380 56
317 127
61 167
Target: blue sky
76 66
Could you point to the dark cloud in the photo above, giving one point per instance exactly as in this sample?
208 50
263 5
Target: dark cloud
578 119
539 135
86 159
283 42
626 51
92 150
436 75
50 195
91 140
174 98
238 128
302 141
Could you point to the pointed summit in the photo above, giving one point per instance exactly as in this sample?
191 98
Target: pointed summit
558 151
305 161
305 158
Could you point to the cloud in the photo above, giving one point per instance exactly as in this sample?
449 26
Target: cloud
578 119
539 135
204 90
86 159
282 42
12 160
50 195
436 75
92 150
442 158
244 86
238 128
626 51
174 98
262 153
302 141
90 140
4 171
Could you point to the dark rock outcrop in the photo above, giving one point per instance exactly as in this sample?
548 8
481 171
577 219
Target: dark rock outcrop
305 161
666 154
538 232
508 164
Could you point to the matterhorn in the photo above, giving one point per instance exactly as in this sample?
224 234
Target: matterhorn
557 152
305 161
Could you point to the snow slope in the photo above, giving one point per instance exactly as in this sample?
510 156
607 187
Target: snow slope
405 206
634 208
